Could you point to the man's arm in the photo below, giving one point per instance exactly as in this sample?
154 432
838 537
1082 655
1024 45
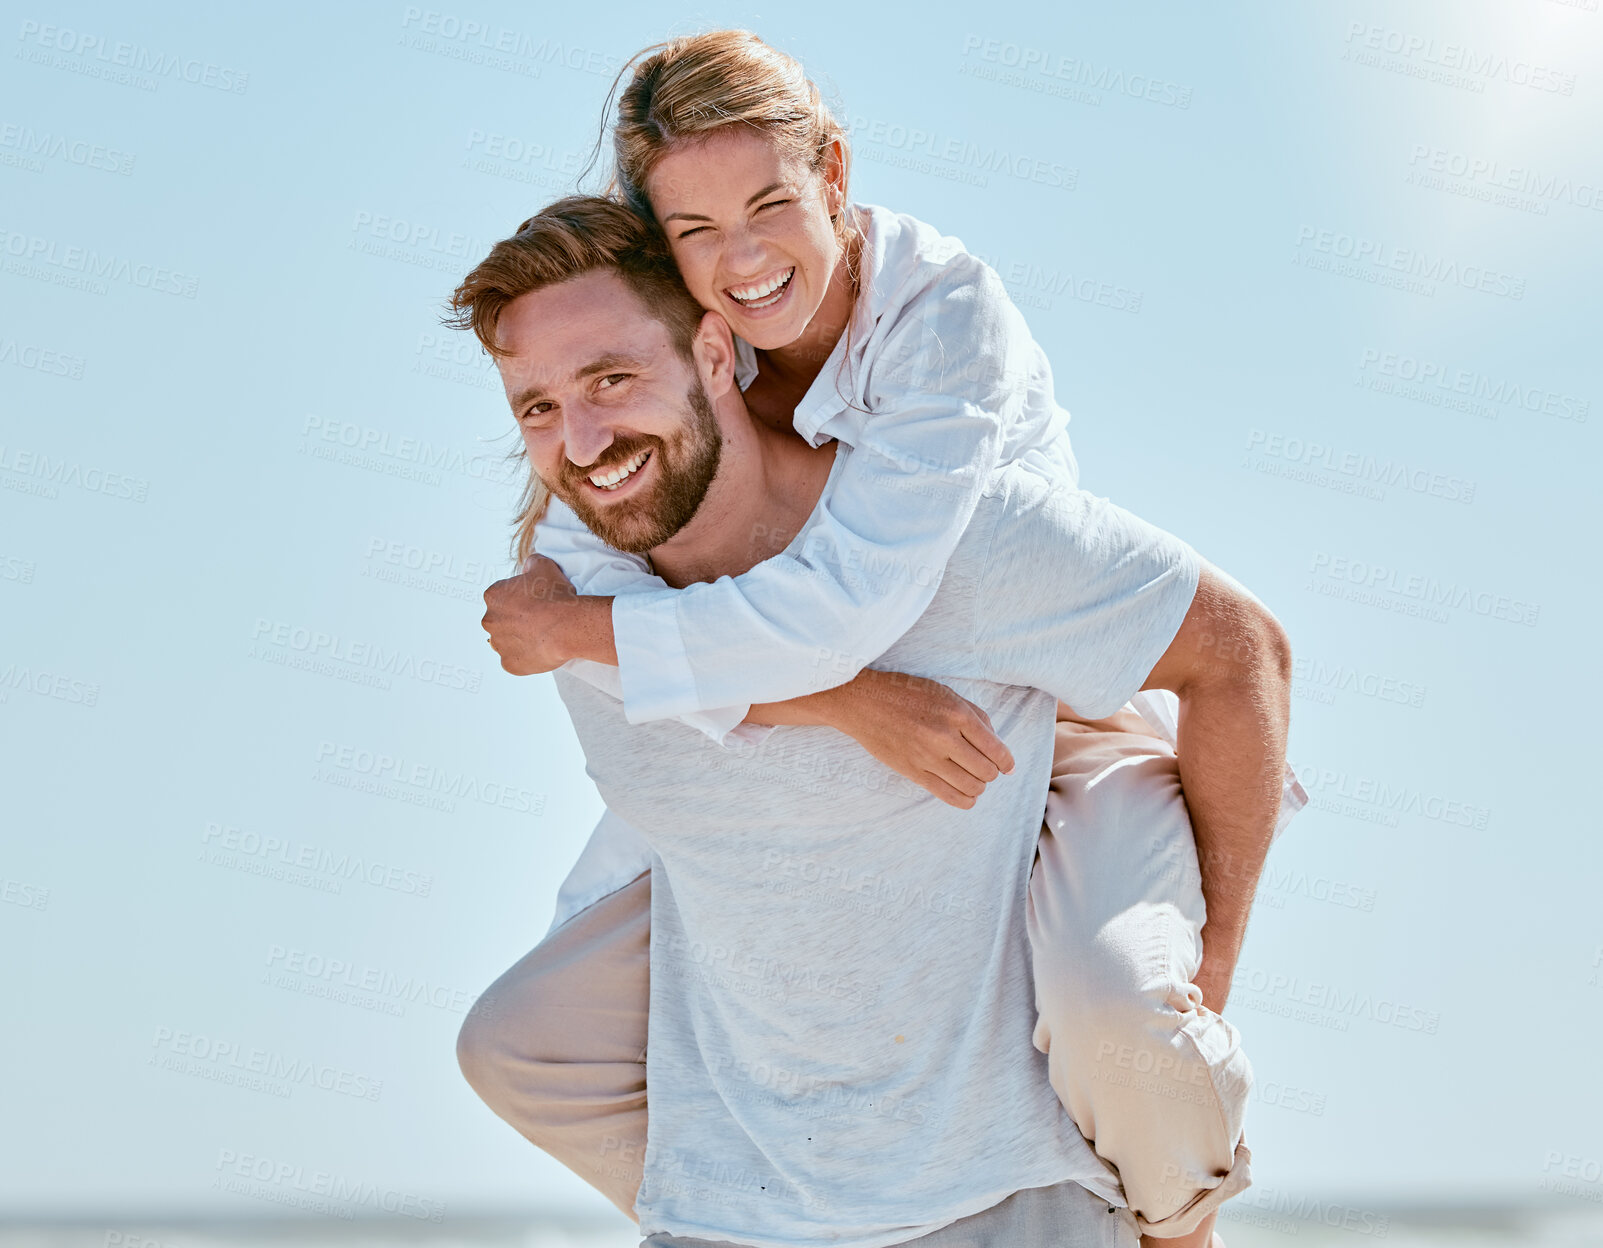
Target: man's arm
1093 604
1230 666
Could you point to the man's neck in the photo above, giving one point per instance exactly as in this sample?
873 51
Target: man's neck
767 485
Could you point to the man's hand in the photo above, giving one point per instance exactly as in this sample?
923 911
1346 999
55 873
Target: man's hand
528 617
915 726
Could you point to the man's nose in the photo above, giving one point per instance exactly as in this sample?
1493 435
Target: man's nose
586 433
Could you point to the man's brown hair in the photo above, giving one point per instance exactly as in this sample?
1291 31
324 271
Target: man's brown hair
565 240
568 239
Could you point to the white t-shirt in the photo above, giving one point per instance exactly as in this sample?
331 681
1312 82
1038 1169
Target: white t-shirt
841 993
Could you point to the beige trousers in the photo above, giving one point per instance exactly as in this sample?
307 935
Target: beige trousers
1156 1082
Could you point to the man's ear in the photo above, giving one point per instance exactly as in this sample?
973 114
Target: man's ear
713 349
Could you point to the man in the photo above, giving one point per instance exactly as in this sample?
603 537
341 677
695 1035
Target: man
841 993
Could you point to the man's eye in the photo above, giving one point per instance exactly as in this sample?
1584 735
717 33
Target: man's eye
612 379
536 413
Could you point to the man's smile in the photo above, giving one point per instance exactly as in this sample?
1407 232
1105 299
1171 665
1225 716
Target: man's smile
611 480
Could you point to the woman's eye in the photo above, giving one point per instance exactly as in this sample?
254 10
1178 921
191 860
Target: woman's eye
700 229
773 203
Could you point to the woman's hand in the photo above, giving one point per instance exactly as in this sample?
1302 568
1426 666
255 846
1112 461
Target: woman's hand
915 726
537 622
935 737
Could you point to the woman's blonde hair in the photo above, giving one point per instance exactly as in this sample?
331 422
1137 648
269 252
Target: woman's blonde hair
688 87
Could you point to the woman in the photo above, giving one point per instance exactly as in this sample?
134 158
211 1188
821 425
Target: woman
860 324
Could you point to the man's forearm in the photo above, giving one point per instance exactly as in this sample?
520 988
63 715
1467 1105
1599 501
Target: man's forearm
1232 753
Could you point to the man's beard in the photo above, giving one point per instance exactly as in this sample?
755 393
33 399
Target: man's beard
685 468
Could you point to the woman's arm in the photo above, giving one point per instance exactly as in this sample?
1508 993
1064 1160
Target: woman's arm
573 566
918 727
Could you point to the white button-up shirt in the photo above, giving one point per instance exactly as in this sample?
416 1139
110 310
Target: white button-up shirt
936 381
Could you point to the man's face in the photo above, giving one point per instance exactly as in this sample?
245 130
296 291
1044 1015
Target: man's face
616 422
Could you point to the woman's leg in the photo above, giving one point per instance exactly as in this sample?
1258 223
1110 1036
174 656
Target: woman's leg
1156 1081
557 1045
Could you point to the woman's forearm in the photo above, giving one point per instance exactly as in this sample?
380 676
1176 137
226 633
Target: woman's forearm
916 726
587 630
840 707
870 697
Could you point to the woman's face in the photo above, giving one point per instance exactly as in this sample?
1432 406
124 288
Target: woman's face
749 226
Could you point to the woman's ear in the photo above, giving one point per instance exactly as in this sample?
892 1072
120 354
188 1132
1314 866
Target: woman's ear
713 349
833 175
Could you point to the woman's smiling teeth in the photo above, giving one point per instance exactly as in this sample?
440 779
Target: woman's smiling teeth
763 294
613 479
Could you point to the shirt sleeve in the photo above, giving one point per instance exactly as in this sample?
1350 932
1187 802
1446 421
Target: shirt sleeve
1079 597
948 378
596 568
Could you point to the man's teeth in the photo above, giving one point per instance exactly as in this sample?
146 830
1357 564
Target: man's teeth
612 480
764 293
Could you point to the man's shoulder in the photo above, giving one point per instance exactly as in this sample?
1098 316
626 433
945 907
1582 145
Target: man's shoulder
1019 505
1032 514
1021 490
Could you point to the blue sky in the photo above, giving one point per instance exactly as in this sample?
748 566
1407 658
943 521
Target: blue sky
1319 288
